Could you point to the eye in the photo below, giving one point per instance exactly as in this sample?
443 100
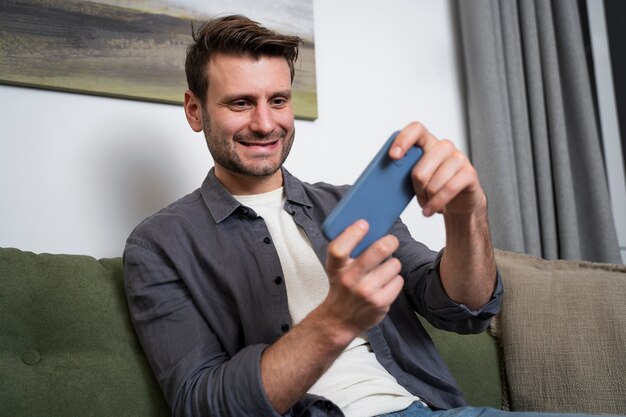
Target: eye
239 105
279 101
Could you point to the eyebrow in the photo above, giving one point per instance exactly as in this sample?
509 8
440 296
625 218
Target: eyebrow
286 93
251 97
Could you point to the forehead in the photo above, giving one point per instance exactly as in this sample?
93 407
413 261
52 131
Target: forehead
228 74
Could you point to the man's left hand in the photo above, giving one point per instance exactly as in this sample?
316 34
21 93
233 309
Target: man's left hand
444 180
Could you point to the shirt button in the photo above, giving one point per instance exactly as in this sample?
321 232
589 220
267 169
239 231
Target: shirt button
278 280
267 240
284 327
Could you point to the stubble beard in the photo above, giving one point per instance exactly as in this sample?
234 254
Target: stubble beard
223 151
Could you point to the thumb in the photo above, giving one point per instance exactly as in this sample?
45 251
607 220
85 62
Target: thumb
340 248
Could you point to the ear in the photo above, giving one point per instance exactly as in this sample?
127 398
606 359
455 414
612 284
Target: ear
193 111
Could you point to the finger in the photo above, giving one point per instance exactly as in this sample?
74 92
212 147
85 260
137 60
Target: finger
387 294
378 278
375 254
414 134
429 163
370 259
450 190
422 198
338 252
447 169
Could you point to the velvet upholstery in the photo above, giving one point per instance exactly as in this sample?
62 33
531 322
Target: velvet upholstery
67 347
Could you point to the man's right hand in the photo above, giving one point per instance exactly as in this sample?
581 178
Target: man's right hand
362 289
360 294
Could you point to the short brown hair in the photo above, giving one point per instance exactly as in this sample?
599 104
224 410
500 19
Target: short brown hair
234 35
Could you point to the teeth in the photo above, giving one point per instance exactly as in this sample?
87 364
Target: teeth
258 144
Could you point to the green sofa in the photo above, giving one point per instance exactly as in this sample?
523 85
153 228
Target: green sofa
67 347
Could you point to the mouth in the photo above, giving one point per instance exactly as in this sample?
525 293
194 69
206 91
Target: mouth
264 144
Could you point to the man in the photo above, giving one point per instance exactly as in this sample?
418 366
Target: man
244 309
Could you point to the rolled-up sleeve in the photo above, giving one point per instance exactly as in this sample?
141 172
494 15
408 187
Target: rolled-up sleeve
195 373
447 314
420 269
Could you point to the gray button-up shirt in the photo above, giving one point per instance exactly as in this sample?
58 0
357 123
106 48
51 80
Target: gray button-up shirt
206 296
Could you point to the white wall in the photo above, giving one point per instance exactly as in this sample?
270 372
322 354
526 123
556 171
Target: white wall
77 172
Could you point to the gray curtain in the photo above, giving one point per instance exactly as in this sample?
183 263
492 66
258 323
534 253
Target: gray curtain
534 137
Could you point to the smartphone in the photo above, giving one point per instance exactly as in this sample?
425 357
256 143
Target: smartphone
379 196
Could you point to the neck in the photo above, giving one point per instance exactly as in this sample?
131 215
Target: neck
241 184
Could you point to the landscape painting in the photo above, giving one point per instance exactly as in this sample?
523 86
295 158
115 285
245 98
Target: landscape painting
133 49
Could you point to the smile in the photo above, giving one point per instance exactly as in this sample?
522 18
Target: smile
260 146
259 143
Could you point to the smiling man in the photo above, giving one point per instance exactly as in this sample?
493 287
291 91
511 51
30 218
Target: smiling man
243 308
247 120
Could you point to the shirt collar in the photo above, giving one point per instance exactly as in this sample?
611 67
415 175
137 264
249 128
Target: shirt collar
294 190
222 204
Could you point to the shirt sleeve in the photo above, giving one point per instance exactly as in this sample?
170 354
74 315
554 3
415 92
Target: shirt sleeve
195 373
420 269
447 314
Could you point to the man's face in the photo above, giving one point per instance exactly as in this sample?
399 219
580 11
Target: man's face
248 116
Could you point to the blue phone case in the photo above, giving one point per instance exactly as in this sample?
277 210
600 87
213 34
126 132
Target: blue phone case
378 196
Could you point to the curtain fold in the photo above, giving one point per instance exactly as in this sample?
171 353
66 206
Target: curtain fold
534 138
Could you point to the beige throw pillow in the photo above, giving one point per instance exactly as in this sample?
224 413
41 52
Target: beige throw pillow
563 333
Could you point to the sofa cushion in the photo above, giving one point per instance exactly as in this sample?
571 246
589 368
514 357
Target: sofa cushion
67 347
563 333
474 362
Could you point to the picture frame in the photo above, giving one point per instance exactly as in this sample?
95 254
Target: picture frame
134 49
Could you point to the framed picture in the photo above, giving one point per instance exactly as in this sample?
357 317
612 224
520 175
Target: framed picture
133 49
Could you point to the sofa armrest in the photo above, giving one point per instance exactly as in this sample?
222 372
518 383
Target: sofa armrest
563 333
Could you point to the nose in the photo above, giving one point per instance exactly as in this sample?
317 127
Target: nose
262 120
